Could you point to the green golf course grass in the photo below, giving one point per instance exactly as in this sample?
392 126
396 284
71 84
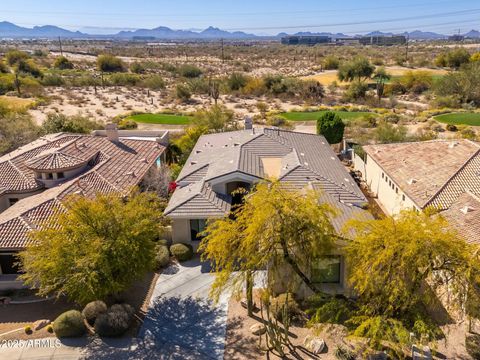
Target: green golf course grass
313 116
164 119
472 119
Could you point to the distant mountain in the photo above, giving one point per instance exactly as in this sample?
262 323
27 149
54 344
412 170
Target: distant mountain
424 35
473 34
9 30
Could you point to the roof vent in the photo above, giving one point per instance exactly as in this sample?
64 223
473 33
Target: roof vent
236 144
302 154
193 163
412 181
198 151
466 209
306 163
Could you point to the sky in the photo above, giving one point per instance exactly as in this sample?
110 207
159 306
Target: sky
255 16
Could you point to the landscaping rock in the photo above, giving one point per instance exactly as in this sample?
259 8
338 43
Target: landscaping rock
314 344
258 329
40 324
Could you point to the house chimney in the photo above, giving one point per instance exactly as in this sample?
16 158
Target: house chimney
112 132
248 123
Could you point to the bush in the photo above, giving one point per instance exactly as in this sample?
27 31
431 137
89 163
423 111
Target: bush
163 242
137 68
451 127
331 63
189 71
115 322
69 324
472 344
183 92
93 309
356 90
28 329
124 79
182 252
50 328
52 80
236 81
126 124
74 124
277 305
342 353
153 82
124 307
62 63
162 257
109 63
331 126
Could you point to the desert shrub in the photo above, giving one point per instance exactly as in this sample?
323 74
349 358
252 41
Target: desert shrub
153 82
312 90
50 328
417 81
189 71
331 126
115 322
333 310
386 133
53 80
30 86
330 62
124 79
93 309
137 68
446 102
3 68
451 127
62 63
278 121
16 130
124 307
454 58
342 353
182 92
109 63
254 86
15 56
126 124
199 86
472 344
182 252
6 83
277 305
69 324
163 242
162 258
29 67
468 133
73 124
236 81
356 90
28 329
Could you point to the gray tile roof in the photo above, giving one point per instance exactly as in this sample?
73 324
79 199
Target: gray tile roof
306 159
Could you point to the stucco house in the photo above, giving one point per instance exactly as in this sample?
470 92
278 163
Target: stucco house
221 163
37 177
444 174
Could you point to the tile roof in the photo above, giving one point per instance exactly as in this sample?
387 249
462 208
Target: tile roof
54 161
440 169
305 159
464 215
112 167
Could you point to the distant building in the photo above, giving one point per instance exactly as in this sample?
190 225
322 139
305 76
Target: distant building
383 40
306 40
456 38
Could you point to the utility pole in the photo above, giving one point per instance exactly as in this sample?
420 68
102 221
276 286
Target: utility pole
406 49
223 53
60 41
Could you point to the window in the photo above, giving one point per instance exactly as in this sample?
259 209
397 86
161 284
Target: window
49 176
383 175
12 201
60 175
403 197
196 227
327 270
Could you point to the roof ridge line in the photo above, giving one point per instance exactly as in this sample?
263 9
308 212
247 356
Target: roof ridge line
186 200
449 180
207 198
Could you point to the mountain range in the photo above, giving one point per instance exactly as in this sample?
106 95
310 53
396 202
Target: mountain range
10 30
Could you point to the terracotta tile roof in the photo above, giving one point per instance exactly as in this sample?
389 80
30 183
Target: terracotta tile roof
112 167
423 170
54 161
464 215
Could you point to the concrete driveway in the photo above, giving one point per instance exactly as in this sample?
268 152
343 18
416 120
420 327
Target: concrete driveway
182 323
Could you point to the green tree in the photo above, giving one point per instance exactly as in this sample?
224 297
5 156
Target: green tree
392 260
330 62
215 119
13 57
73 124
274 227
62 63
109 63
97 248
381 77
331 126
357 69
463 84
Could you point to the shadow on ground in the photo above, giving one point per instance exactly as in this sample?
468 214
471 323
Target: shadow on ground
174 328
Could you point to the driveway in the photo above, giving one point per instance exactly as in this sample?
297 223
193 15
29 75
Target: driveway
181 323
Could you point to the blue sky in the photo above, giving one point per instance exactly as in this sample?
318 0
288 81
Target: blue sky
257 16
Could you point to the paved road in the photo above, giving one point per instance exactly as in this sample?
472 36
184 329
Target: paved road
181 323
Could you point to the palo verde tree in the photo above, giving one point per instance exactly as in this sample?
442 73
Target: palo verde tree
274 227
397 264
96 248
357 69
331 126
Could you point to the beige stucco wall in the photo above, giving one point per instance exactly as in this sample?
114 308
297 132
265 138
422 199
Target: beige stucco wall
181 232
387 194
4 200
